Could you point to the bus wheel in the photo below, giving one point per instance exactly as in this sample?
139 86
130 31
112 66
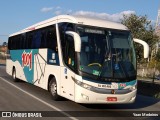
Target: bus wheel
14 75
53 89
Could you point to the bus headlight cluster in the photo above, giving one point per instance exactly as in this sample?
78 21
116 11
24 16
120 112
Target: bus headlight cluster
133 87
86 86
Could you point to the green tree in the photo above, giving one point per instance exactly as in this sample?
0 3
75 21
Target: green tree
4 44
156 60
141 28
157 56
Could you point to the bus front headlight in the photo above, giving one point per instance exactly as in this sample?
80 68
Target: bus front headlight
133 87
84 85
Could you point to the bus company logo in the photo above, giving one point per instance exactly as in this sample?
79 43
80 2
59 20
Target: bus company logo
27 60
122 85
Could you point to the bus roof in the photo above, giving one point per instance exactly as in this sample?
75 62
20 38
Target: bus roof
74 19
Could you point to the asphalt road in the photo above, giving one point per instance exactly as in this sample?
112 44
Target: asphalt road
21 96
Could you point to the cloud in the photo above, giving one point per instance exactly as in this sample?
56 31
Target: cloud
111 17
58 7
69 12
58 12
46 9
117 17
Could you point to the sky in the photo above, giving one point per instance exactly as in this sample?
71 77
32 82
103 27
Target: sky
16 15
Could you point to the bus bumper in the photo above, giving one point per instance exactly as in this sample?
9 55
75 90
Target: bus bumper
83 95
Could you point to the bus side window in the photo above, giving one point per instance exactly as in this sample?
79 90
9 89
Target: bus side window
29 40
26 43
36 39
52 38
43 39
18 42
14 43
22 41
10 43
69 52
67 44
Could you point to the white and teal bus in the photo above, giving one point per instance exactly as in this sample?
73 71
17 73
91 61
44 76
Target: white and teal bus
85 60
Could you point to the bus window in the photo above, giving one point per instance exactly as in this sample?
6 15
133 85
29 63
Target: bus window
69 54
51 38
9 44
37 40
18 42
67 44
14 43
22 41
43 39
29 40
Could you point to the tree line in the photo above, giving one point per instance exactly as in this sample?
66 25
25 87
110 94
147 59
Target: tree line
143 28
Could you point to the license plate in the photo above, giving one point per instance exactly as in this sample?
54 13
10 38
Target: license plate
111 98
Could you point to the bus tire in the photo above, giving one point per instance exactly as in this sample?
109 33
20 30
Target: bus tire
14 75
53 89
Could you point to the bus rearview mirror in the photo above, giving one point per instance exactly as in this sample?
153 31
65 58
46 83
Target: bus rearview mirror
77 40
145 46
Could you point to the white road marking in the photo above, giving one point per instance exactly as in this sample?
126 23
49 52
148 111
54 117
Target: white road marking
49 105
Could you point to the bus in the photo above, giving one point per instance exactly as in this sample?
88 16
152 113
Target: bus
86 60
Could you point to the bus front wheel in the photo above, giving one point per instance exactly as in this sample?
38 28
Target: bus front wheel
53 89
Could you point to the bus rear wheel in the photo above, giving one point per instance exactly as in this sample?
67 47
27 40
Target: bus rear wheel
53 89
14 75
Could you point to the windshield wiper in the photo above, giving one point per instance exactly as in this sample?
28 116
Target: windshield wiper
101 69
107 57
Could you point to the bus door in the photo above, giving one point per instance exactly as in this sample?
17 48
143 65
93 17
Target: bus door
67 83
67 71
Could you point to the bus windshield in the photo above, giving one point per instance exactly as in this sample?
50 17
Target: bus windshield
107 53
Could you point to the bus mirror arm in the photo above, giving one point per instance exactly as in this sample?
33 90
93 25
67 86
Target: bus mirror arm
145 46
77 40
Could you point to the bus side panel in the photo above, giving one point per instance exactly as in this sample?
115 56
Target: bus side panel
9 66
68 84
40 68
46 64
15 62
35 66
54 71
22 60
19 71
18 68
